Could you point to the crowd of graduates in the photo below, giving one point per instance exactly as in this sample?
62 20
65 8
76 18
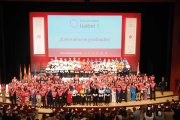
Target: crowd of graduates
98 88
52 91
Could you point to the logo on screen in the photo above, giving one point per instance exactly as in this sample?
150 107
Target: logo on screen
73 23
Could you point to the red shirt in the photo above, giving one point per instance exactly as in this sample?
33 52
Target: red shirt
54 94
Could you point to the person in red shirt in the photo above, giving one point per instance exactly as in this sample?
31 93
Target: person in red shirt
27 94
69 97
76 79
23 97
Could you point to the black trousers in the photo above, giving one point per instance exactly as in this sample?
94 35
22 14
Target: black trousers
124 95
74 100
101 99
88 100
118 97
95 100
83 99
153 95
107 98
43 101
78 98
60 101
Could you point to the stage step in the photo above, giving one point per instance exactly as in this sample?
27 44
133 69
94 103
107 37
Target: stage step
165 94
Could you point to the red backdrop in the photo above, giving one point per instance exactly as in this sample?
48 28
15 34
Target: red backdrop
42 60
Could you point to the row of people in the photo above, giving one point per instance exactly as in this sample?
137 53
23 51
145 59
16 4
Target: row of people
103 88
84 67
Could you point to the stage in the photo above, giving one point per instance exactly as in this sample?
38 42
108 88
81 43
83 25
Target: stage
160 99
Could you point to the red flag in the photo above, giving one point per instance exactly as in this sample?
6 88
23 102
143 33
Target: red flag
25 75
138 71
20 73
29 73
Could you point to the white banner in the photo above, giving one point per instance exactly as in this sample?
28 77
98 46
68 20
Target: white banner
130 35
38 35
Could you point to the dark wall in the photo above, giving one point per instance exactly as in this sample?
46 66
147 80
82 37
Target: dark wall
175 64
155 32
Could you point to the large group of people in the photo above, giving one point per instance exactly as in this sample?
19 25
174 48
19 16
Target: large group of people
90 83
15 112
86 67
52 91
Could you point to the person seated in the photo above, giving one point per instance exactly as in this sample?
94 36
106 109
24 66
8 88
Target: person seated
149 115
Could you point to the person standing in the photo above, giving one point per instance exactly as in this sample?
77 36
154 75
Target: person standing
60 102
145 90
101 95
49 98
138 93
107 93
153 90
124 92
38 97
27 94
23 97
113 94
133 92
88 96
128 93
64 96
33 97
74 96
163 85
95 96
43 97
82 93
69 97
54 95
118 94
13 95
